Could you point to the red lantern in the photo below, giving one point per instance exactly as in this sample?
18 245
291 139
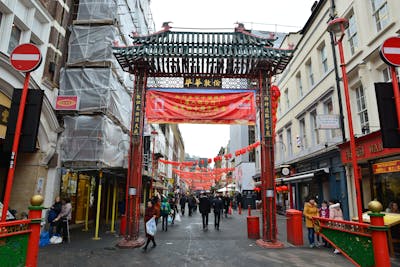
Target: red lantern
275 91
285 188
278 189
209 161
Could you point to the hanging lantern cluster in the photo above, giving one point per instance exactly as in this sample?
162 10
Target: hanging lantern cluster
282 189
275 95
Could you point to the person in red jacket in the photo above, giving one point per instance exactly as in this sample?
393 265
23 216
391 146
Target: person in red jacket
148 215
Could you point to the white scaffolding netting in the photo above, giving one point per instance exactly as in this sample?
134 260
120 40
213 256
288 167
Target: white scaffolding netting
97 10
98 90
93 139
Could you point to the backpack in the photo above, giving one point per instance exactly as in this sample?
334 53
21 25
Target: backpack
164 208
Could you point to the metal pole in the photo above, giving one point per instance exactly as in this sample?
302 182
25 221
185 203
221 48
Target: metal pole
108 203
114 208
396 93
14 152
96 233
351 130
87 207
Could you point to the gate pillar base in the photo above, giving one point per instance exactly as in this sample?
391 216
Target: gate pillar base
131 243
269 244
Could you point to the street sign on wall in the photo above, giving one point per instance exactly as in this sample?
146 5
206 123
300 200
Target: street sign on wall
26 57
390 51
67 103
328 122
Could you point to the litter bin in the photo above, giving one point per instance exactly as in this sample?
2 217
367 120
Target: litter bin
294 227
253 227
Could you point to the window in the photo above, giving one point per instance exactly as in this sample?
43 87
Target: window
362 110
287 99
303 136
310 73
281 146
352 34
380 13
299 84
324 59
387 76
314 128
14 38
328 106
289 141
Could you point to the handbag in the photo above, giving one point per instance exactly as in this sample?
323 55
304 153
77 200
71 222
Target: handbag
151 227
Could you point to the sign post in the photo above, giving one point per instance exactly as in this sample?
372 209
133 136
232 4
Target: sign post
390 53
24 58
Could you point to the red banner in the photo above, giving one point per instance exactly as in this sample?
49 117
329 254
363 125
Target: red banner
201 106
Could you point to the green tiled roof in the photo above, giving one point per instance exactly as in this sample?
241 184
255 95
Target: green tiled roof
170 53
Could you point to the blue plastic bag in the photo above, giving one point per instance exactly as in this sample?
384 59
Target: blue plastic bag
44 239
151 227
169 219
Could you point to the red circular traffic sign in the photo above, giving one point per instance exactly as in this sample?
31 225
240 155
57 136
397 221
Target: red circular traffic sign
26 57
390 51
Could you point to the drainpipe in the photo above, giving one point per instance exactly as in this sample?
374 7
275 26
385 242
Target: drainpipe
335 64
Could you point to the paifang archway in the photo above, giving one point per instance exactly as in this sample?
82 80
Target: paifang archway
241 59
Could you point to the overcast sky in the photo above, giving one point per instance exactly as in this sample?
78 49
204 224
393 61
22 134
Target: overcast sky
270 15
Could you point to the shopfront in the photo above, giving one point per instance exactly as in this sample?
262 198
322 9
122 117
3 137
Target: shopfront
379 168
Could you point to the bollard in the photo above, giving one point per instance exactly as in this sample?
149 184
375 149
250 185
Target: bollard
240 209
35 215
379 236
249 210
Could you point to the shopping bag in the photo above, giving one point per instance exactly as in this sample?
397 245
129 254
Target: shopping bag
169 219
151 227
44 239
178 217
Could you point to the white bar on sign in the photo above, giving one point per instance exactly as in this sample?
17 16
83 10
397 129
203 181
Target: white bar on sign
391 50
25 57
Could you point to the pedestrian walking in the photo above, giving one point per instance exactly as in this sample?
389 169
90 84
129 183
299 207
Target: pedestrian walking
157 207
218 206
192 204
165 211
149 213
310 210
174 209
335 213
227 202
204 208
323 213
182 203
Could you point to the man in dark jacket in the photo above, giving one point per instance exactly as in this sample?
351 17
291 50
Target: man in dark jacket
227 202
218 206
182 202
204 208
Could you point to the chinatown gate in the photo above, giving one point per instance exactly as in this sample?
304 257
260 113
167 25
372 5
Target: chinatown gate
168 64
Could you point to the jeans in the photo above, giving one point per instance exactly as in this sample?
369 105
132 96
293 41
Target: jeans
205 219
311 237
217 218
165 222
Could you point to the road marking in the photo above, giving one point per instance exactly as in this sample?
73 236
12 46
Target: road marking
391 50
25 57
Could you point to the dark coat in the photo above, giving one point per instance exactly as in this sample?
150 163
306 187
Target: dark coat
218 205
204 205
183 201
148 214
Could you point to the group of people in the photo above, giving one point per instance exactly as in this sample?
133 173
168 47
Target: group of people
58 215
167 207
331 210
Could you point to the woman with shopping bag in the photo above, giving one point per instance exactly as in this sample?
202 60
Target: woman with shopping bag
150 224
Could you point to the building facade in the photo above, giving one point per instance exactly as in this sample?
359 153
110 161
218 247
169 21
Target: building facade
309 129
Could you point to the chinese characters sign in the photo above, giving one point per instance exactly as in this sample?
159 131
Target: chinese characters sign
386 167
137 111
201 106
267 121
202 83
4 114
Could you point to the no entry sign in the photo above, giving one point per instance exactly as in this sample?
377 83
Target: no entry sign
390 51
26 57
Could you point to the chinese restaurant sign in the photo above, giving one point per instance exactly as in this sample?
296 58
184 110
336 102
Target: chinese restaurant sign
386 167
201 106
202 83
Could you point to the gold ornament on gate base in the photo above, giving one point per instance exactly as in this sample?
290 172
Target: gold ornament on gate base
375 206
37 200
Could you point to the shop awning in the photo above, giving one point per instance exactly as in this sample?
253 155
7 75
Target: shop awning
302 176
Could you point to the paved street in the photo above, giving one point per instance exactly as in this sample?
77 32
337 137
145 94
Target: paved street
186 244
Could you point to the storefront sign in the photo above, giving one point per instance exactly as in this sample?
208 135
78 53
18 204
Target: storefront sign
201 106
267 117
385 167
202 83
367 147
4 114
67 103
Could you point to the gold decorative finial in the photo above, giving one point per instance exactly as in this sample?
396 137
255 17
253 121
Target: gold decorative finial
37 200
375 206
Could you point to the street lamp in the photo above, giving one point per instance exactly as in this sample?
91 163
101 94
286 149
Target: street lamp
338 27
153 163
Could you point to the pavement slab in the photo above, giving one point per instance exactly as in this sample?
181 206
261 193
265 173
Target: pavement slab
187 244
